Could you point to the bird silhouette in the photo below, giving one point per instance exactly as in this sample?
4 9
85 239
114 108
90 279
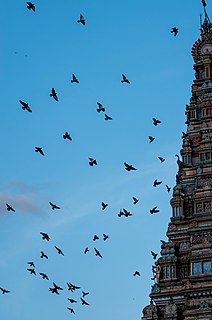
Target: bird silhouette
67 136
55 288
45 236
74 79
124 79
54 206
107 117
71 310
25 106
154 255
127 213
156 183
31 264
81 20
136 273
59 251
39 149
95 237
32 271
72 287
161 159
129 167
104 205
105 236
156 121
84 293
92 162
174 30
72 300
84 302
30 6
54 94
151 139
4 291
135 200
168 188
100 107
97 253
44 276
121 213
86 250
154 210
43 255
9 208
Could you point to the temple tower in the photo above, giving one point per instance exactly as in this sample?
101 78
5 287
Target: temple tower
182 275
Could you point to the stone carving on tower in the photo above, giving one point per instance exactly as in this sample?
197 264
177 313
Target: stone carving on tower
183 273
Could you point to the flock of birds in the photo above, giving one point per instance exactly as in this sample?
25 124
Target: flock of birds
55 289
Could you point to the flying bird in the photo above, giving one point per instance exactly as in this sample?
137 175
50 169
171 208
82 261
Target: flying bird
92 162
84 302
4 291
9 208
136 273
54 206
39 149
71 310
151 139
45 236
97 253
55 288
168 188
32 271
31 6
105 236
67 136
72 300
81 20
44 276
156 121
84 293
95 237
86 250
124 79
100 107
127 213
31 264
129 167
104 205
174 30
156 183
59 251
74 79
72 287
54 94
135 200
121 213
43 255
25 106
107 117
161 159
154 210
154 255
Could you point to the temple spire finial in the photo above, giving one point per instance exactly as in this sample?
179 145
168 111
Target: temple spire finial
206 20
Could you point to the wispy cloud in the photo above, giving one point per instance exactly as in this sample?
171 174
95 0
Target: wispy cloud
23 203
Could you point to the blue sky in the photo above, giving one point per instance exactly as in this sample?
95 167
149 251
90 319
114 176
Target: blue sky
41 50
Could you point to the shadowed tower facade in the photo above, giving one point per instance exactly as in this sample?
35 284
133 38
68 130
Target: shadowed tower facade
182 275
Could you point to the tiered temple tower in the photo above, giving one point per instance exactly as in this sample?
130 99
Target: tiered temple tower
183 273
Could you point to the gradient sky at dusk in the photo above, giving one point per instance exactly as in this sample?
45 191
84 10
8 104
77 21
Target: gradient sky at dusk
41 50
